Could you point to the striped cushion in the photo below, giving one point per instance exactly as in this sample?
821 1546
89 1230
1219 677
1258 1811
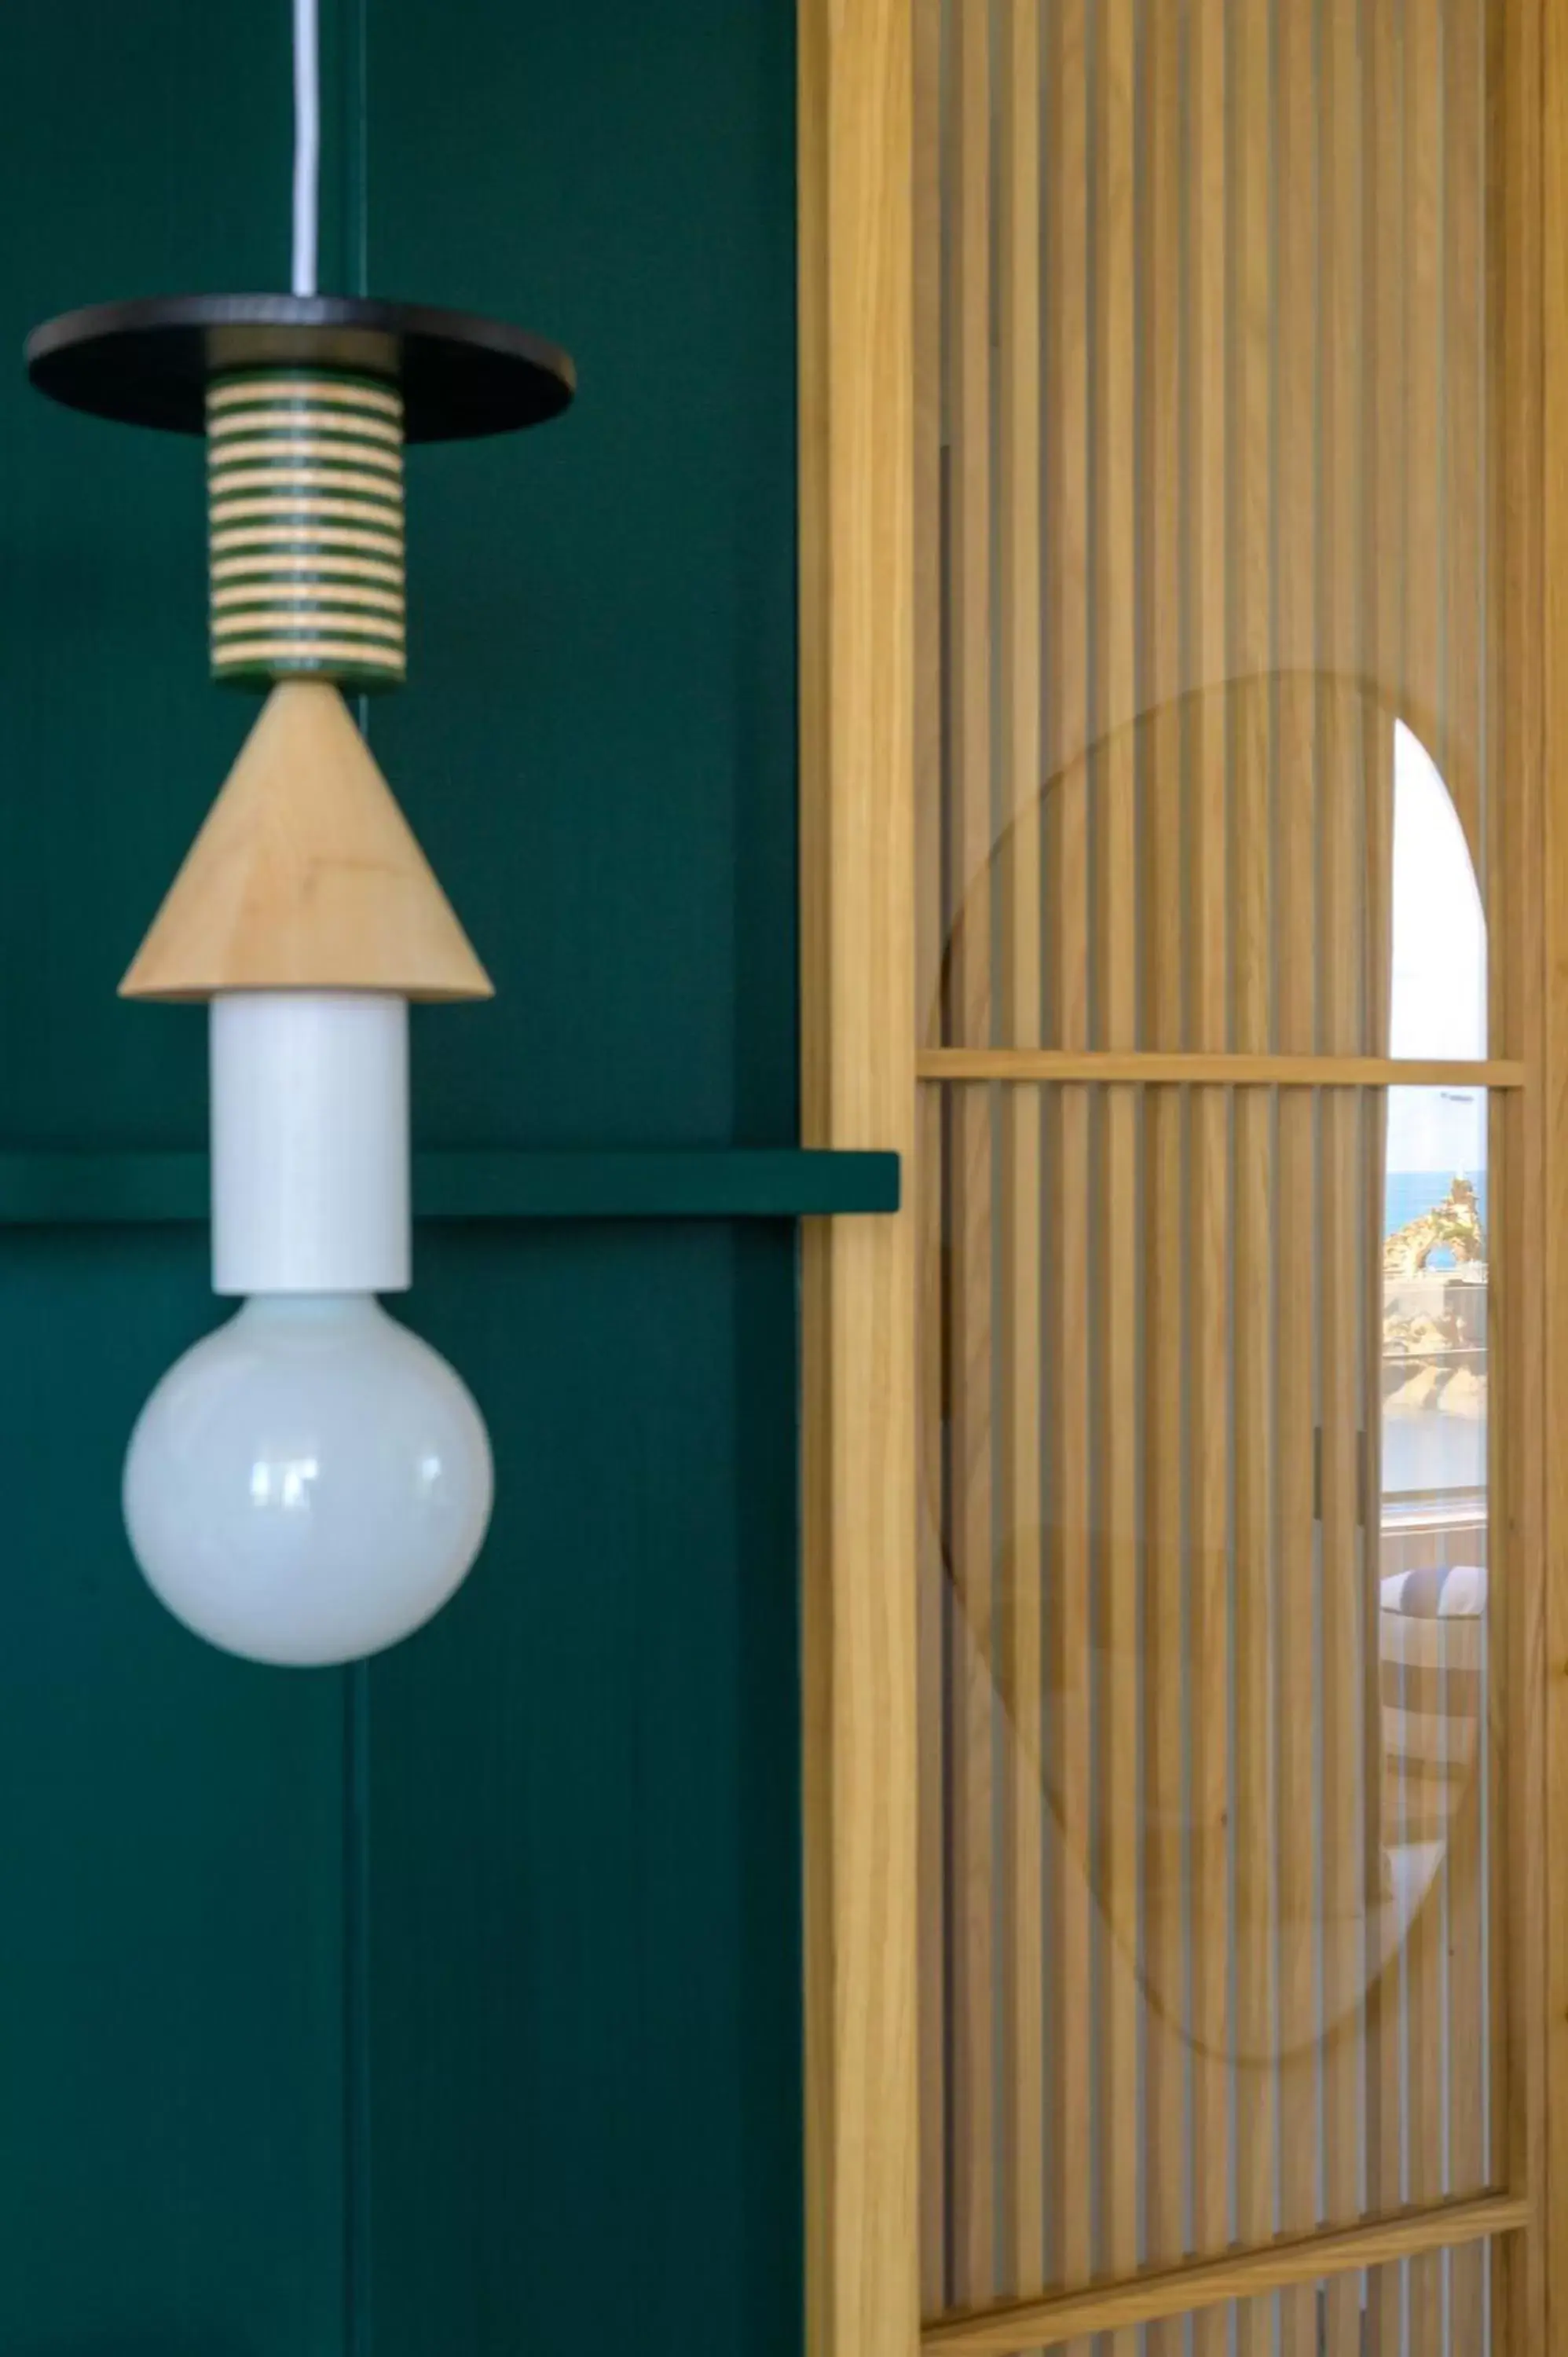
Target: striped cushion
1433 1648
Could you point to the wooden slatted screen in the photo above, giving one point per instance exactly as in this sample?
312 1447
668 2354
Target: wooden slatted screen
1218 366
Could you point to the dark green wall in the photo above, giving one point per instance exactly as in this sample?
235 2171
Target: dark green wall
447 2009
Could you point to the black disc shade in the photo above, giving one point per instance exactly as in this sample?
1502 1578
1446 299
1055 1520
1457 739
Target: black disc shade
148 363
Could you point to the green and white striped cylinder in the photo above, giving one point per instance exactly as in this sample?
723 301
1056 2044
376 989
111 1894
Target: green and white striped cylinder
306 527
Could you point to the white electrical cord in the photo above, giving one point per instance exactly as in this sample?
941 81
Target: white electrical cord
307 144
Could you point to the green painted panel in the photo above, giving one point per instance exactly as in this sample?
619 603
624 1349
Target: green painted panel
449 2006
171 1840
143 149
584 1962
171 1824
597 739
584 1889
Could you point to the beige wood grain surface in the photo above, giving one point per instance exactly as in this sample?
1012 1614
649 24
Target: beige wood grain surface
857 866
306 875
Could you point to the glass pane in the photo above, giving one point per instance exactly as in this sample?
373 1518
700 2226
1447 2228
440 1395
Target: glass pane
1211 561
1211 1950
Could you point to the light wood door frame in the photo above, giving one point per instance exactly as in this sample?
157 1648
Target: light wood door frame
866 705
857 560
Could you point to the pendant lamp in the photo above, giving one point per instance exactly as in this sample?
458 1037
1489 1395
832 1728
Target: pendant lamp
311 1482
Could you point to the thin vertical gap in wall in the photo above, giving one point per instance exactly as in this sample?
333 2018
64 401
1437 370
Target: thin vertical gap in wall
357 2335
345 26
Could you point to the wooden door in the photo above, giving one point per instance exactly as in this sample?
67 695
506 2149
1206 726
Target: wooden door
1223 888
1235 1016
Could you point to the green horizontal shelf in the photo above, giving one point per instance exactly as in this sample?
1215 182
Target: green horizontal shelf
81 1189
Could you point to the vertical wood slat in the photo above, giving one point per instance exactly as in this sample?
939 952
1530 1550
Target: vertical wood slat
1422 700
1461 759
927 334
1065 436
1164 1373
1297 1700
1207 762
1509 950
1251 1016
1345 1668
1064 168
1113 617
1019 1273
1384 421
1534 2290
1468 185
1342 1257
969 1226
860 1745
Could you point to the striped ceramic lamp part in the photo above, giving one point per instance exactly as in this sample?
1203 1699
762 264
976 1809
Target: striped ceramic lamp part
310 1482
306 527
307 402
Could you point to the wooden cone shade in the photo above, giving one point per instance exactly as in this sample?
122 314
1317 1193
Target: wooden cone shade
305 876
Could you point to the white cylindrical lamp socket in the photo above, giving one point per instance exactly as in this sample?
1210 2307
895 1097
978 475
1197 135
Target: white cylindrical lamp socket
311 1142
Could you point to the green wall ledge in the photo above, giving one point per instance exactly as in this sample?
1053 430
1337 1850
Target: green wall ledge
41 1189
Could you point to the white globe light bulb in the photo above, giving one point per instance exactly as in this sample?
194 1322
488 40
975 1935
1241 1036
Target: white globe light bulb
309 1483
